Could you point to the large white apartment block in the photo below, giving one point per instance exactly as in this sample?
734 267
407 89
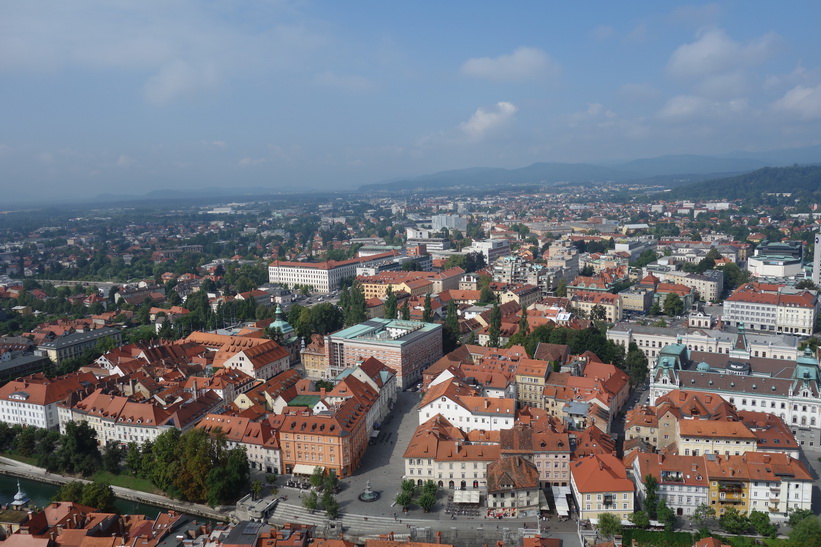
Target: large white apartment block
652 339
322 276
33 400
772 308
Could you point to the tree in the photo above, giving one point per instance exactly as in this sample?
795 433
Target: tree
112 457
390 304
426 501
645 258
734 276
673 305
651 495
798 515
327 385
636 365
495 326
316 477
609 525
598 312
762 525
330 505
702 515
640 519
256 489
806 532
404 312
655 309
330 481
734 522
427 311
450 335
100 495
430 488
326 318
354 307
404 499
133 458
665 515
70 491
486 296
806 284
78 452
561 288
311 502
524 326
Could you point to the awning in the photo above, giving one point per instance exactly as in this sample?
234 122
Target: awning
305 469
560 494
466 496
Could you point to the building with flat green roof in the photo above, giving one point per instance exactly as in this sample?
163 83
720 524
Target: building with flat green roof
406 347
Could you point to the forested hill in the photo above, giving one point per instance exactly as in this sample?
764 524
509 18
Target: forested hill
803 181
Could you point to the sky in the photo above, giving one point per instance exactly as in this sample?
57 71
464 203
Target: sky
130 96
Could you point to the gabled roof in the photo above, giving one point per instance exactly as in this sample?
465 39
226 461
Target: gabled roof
600 473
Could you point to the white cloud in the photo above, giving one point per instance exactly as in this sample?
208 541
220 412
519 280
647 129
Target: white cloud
686 107
249 162
595 113
124 161
45 157
803 102
714 52
218 144
178 48
176 79
683 106
485 121
523 64
348 83
727 84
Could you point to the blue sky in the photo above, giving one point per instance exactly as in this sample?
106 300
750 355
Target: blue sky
132 96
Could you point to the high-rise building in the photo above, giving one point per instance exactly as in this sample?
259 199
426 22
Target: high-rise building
816 260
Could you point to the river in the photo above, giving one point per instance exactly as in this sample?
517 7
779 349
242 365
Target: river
41 494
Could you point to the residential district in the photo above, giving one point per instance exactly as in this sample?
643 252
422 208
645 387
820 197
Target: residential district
516 369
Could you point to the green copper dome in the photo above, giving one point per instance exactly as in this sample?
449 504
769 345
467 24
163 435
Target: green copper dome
280 323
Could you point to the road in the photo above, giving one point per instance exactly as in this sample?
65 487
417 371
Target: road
383 467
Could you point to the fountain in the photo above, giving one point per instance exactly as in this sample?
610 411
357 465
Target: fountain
368 495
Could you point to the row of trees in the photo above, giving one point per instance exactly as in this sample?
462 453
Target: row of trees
325 500
74 453
194 466
424 496
93 494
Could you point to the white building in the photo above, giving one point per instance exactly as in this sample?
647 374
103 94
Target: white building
33 400
322 276
464 408
788 389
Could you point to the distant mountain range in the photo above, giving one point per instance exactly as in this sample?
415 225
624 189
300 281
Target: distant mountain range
670 170
802 181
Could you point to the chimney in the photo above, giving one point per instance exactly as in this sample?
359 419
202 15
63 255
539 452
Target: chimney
439 536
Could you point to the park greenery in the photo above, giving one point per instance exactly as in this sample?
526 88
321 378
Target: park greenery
194 466
424 496
326 485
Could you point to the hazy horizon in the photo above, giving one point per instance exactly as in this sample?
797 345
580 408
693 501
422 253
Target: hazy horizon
133 96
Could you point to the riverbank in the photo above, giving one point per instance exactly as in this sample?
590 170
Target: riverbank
16 468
